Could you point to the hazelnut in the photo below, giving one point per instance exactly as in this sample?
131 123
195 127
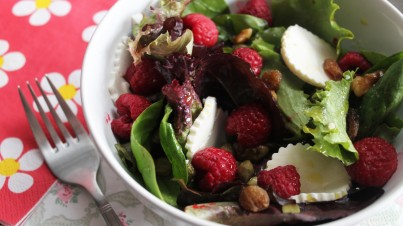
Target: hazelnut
272 78
254 198
332 69
361 84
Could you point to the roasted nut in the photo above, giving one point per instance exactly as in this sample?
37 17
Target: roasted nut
254 198
361 84
243 36
272 79
332 69
245 170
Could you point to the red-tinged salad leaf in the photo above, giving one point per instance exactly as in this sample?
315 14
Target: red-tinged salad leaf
188 196
232 82
178 66
161 33
316 16
186 104
230 213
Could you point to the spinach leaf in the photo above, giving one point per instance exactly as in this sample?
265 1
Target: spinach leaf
373 57
170 190
127 158
386 63
291 98
172 148
209 8
140 135
382 99
233 24
315 16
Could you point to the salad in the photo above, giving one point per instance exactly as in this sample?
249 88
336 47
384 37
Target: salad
256 116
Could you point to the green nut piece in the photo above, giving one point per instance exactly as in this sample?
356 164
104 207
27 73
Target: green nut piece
246 170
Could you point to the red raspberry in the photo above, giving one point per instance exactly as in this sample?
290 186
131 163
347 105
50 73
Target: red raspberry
352 61
251 57
250 124
257 8
131 104
213 166
121 127
282 180
144 78
376 164
204 30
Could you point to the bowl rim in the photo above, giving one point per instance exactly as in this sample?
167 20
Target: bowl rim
139 191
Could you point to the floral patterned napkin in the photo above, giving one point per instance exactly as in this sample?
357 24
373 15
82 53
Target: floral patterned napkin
37 37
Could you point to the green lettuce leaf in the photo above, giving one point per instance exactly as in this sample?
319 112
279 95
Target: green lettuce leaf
209 8
328 113
315 16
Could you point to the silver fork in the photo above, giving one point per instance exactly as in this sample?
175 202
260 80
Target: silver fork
72 159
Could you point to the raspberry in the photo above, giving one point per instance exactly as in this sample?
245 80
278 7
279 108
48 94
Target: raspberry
121 127
131 104
251 57
204 30
213 166
282 180
257 8
352 61
250 124
376 164
144 78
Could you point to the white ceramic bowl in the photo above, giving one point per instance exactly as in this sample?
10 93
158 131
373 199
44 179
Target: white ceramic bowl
376 24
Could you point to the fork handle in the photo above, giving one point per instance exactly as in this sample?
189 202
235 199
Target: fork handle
108 213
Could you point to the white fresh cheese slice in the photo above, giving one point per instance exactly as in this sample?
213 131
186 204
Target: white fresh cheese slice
322 178
206 130
304 53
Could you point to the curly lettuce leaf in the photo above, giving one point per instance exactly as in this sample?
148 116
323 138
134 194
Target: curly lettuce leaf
328 113
315 16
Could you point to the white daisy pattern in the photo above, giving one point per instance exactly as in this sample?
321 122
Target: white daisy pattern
40 11
70 91
89 31
9 61
14 165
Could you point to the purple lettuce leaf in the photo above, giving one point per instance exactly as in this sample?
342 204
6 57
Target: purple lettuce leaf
186 104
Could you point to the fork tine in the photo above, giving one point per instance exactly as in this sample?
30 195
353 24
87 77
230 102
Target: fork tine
74 122
37 130
56 117
56 139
